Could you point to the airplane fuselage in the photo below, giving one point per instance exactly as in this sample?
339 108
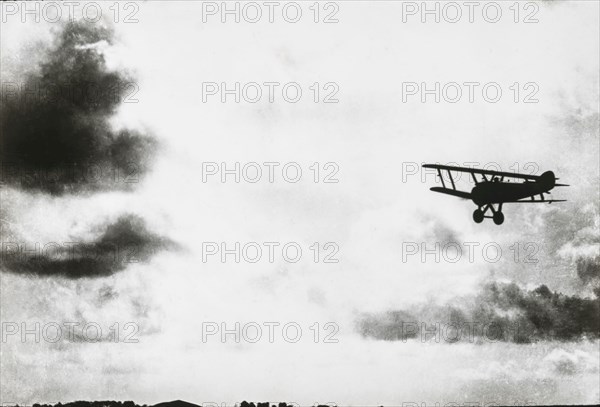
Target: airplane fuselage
496 192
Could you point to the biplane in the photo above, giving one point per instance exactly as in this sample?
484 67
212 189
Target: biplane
492 189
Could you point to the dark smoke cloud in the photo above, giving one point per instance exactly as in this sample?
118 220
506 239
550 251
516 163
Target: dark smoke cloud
588 269
56 134
501 312
122 243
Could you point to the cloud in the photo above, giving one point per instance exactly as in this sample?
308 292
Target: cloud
59 138
567 362
501 312
121 243
57 134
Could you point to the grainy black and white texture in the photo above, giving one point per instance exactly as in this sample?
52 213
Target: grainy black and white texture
104 208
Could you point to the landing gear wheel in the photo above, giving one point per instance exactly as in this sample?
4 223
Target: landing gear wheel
478 216
498 218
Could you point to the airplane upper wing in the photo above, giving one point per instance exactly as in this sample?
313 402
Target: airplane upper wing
484 172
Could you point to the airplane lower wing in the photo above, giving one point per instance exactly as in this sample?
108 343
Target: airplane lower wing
453 192
537 201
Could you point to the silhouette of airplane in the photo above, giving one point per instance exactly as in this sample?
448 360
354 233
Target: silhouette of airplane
488 192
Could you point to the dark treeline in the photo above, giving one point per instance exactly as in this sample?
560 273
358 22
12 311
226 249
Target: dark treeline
112 403
106 403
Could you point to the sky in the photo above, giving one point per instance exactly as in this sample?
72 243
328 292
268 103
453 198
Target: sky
151 190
